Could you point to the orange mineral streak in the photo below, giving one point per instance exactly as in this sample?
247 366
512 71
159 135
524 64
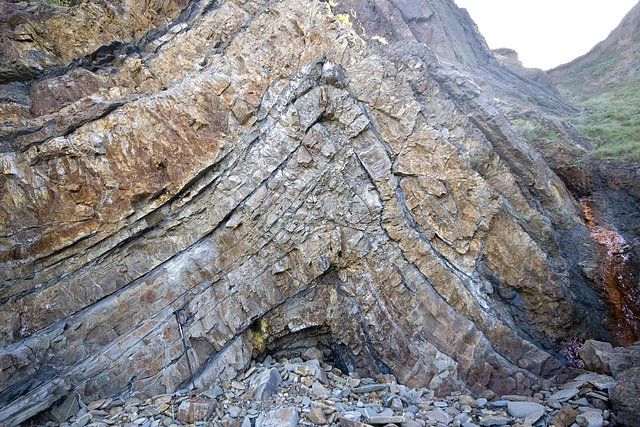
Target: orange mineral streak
617 279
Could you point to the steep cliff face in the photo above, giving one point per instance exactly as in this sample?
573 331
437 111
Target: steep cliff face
262 166
451 33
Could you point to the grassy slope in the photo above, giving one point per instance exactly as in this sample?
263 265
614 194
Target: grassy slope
612 111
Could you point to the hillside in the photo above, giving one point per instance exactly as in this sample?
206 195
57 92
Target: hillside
606 83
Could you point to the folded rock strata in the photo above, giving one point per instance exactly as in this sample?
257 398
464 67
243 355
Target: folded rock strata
262 166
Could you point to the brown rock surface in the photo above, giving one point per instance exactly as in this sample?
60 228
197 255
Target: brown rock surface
283 180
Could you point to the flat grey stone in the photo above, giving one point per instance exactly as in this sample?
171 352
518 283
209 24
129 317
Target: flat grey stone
564 395
524 409
600 381
439 415
395 419
369 388
493 421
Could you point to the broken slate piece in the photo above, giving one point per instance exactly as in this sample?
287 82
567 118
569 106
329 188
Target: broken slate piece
281 417
395 419
66 410
564 395
369 388
265 383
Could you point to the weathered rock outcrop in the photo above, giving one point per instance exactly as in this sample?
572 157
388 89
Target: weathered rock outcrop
262 166
451 33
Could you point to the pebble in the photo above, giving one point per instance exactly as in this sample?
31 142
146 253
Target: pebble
311 393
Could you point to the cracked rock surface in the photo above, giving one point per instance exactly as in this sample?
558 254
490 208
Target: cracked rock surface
282 179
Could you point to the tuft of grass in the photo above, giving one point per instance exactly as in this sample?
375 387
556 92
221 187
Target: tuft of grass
612 122
533 130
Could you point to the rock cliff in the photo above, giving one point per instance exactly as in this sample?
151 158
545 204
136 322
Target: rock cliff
451 33
283 179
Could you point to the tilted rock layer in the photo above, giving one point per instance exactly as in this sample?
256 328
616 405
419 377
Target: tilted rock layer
262 166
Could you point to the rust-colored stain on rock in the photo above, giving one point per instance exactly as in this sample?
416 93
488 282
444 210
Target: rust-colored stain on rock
617 279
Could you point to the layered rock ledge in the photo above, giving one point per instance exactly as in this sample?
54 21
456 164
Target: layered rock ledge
280 178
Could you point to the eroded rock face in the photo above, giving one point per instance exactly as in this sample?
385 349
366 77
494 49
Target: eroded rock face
262 166
454 37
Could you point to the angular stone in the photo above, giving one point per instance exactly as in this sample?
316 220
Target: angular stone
438 415
572 384
565 416
237 385
319 390
304 370
196 409
66 409
312 353
316 416
369 388
600 381
318 372
280 417
596 355
265 383
564 395
598 396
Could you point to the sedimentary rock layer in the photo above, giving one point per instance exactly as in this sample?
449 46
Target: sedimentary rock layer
262 166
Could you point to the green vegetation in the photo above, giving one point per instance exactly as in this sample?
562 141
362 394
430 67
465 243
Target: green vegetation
612 122
590 70
533 130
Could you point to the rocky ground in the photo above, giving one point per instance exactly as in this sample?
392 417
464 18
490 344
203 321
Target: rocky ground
309 393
